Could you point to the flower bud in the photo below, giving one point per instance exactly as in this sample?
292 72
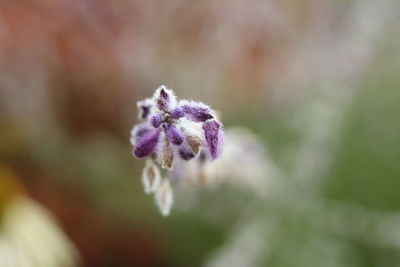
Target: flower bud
156 119
196 111
173 134
146 144
213 136
164 98
185 152
165 155
164 197
138 131
177 113
193 134
151 177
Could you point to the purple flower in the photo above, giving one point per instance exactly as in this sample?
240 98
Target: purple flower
177 113
171 129
138 131
213 135
146 144
156 119
188 127
174 135
164 98
197 111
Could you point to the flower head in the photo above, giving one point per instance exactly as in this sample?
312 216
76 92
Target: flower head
173 130
163 116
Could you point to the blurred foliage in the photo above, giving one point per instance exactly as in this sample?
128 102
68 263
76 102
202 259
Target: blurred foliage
366 170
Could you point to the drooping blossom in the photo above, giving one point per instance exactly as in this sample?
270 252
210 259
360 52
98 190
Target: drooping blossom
164 197
173 130
151 177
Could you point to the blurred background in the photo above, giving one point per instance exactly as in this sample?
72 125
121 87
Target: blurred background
314 82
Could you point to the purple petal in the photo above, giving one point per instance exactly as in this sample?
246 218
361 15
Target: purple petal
146 144
156 119
213 135
164 98
177 113
173 134
196 111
